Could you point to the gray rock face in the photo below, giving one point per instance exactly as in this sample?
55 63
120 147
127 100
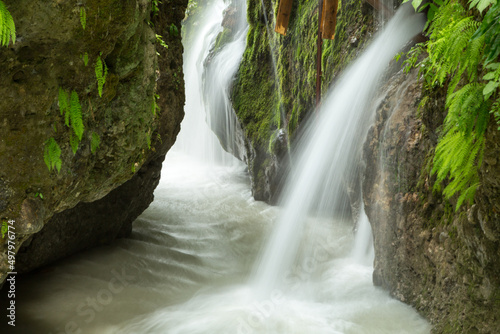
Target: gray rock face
51 50
444 263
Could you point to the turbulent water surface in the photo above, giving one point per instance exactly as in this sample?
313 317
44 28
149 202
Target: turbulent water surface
197 260
186 266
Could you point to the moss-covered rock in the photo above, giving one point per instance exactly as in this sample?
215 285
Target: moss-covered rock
275 88
444 263
49 54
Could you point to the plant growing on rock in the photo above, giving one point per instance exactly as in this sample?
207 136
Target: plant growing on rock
459 49
7 26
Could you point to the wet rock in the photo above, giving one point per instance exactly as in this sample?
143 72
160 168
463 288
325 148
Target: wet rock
48 55
444 263
31 216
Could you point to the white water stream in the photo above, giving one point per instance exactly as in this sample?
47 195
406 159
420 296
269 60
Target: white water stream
187 267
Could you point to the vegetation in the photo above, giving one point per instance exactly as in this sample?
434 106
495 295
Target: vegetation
101 71
70 108
462 47
7 26
52 154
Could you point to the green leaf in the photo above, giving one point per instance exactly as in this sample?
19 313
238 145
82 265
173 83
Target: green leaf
101 71
416 4
5 228
52 154
7 26
489 76
490 88
76 115
74 143
63 101
94 142
85 58
83 17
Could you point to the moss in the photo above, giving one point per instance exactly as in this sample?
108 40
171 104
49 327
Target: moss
256 95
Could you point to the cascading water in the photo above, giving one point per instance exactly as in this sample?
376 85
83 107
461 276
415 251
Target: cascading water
185 268
196 138
220 70
330 150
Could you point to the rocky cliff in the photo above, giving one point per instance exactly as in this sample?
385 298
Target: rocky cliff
444 263
275 86
95 190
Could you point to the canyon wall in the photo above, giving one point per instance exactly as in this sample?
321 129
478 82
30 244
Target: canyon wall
95 191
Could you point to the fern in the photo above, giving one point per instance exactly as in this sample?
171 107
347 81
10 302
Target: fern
459 47
85 58
457 157
63 101
94 142
52 155
75 115
154 106
7 26
101 71
74 143
481 4
83 17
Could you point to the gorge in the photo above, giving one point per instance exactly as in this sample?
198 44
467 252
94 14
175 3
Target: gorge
208 254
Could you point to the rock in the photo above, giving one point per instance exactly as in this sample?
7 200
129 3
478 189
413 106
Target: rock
98 192
444 263
31 217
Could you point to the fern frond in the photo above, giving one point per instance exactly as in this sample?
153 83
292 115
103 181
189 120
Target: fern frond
458 157
7 26
101 71
52 155
85 58
83 17
481 4
76 115
74 143
95 140
63 99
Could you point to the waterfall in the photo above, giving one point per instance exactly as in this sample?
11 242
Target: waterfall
330 150
220 70
208 109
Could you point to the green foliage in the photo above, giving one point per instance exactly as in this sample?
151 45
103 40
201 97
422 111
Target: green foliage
69 106
52 155
94 142
459 49
101 71
38 194
481 4
431 6
148 140
457 156
63 103
154 106
74 143
76 115
173 30
83 17
85 58
7 26
490 28
5 228
160 41
154 7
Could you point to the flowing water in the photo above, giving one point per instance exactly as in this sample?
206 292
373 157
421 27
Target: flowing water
188 266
